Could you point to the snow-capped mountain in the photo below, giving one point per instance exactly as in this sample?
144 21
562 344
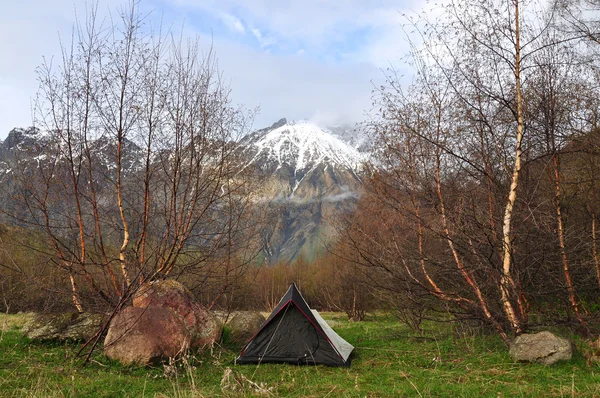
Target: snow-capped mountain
295 150
310 174
21 144
301 146
28 156
31 147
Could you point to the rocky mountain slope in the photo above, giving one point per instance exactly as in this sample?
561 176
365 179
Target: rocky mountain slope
308 175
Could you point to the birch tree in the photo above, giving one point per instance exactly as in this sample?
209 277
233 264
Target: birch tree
453 147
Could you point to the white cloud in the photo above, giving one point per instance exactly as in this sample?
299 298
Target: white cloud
296 70
256 33
371 30
263 41
233 23
345 194
295 87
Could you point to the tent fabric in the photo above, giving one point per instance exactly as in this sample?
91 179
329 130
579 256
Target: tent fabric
295 334
343 347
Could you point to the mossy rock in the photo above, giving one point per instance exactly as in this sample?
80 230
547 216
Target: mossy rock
72 326
243 325
543 347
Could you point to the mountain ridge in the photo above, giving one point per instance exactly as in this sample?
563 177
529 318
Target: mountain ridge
309 175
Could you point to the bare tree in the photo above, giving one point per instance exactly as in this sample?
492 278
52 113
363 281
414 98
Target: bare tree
452 148
554 109
142 173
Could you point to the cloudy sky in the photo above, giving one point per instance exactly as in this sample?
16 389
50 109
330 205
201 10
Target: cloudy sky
300 59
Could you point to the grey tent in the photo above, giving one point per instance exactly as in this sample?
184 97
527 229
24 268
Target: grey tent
295 334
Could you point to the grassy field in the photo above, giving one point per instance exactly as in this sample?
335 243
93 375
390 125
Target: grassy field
389 360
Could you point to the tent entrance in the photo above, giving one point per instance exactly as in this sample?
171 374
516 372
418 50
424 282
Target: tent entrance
289 337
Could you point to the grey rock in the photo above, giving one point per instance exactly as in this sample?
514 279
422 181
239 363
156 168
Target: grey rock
543 347
65 326
243 325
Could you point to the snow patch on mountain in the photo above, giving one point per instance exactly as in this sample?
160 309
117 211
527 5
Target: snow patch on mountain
303 145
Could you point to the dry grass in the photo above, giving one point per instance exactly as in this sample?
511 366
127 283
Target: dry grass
14 321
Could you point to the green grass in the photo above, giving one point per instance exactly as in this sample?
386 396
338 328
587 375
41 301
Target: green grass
389 360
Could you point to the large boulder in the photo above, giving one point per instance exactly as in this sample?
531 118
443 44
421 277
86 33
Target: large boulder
64 326
204 328
165 293
164 322
542 347
146 336
243 325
